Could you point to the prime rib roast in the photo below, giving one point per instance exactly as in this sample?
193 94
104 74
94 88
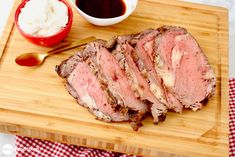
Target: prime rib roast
129 76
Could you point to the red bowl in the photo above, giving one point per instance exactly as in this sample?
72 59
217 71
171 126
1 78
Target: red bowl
49 40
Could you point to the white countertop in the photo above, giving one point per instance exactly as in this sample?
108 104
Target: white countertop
7 141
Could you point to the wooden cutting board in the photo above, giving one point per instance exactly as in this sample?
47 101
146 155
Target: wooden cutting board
34 102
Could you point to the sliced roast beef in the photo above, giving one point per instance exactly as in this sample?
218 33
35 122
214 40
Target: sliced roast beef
83 85
113 75
145 55
118 84
143 58
130 75
123 53
183 67
90 92
112 80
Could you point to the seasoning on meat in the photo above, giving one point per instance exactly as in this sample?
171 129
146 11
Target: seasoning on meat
155 71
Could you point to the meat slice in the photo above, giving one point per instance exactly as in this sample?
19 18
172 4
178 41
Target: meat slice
68 65
118 84
83 85
123 53
183 67
90 92
112 78
145 54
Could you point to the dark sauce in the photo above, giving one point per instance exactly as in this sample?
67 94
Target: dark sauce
102 8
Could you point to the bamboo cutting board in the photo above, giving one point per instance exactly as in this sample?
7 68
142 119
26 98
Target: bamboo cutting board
35 103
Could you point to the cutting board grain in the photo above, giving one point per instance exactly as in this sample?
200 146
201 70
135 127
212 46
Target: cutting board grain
34 102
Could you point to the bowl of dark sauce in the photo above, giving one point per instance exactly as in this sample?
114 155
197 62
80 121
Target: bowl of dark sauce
105 12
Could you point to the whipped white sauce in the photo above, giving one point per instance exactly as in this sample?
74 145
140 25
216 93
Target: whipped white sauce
43 17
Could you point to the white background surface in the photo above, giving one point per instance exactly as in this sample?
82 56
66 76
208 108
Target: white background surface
5 6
